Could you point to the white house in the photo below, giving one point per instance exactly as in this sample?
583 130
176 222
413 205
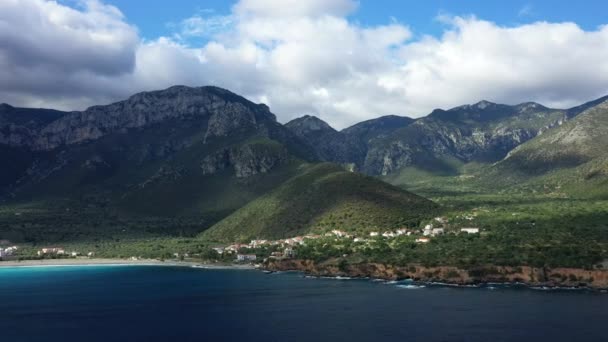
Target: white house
388 234
373 234
401 232
441 220
470 230
219 250
428 230
339 233
288 253
423 240
437 231
2 253
245 257
257 243
51 250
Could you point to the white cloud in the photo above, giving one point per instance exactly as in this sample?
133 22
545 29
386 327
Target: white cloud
526 11
52 54
294 8
297 56
555 64
199 26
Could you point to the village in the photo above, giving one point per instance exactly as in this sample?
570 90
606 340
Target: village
257 250
60 251
286 248
8 252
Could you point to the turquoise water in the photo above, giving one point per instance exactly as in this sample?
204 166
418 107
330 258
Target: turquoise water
147 303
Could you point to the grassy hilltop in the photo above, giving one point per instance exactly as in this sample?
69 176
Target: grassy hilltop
320 198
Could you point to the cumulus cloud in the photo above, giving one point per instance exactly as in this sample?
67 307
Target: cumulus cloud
299 57
51 52
556 64
294 8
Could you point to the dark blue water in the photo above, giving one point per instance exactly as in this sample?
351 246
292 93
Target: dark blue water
145 303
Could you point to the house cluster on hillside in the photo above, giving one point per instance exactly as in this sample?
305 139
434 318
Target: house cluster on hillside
8 251
284 243
51 251
60 251
287 245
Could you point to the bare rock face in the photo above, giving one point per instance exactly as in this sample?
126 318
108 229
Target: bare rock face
20 126
232 118
484 132
481 132
575 142
308 126
224 111
349 146
246 160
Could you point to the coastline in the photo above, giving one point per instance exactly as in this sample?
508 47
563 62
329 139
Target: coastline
117 262
450 275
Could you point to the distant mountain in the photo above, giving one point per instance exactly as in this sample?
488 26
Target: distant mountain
320 137
320 198
350 146
483 132
377 128
223 112
217 159
182 153
573 156
575 143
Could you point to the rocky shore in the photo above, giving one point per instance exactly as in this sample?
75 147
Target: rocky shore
532 276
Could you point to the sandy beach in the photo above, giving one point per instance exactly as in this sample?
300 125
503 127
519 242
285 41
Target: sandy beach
101 262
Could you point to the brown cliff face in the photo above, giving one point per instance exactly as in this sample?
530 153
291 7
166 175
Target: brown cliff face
562 277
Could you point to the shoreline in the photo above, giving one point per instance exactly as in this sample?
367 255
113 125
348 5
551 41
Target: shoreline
316 271
117 262
532 277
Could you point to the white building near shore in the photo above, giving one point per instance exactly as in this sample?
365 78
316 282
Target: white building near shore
470 230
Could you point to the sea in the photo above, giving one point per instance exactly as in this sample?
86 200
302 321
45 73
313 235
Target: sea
160 303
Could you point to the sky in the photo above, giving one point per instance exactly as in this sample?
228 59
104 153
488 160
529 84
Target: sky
342 60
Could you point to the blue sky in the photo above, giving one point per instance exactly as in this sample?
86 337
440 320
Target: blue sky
421 16
343 60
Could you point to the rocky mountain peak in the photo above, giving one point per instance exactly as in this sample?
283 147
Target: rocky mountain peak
529 107
383 123
483 104
309 124
574 111
5 106
479 106
222 110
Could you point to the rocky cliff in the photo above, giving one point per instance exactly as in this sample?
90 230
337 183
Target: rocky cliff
483 132
226 113
562 277
247 160
350 146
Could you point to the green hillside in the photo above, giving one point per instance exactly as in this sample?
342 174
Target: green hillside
570 159
320 198
574 143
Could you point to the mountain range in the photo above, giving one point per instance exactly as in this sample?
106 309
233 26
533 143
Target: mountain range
211 155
